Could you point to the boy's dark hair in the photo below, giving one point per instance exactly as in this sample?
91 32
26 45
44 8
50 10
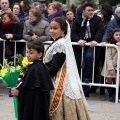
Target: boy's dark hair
87 5
37 45
62 22
111 40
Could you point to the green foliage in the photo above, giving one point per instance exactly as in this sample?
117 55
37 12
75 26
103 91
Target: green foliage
19 59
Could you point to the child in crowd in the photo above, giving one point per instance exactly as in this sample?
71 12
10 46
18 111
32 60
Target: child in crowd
34 92
111 63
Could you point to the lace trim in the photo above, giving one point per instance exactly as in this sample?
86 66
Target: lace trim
68 90
57 48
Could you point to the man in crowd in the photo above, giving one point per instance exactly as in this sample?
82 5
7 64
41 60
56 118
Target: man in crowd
4 5
114 23
87 28
38 5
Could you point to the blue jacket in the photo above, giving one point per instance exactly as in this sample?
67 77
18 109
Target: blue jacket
114 23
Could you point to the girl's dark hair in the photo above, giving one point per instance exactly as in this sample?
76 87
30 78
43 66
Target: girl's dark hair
62 22
111 40
37 45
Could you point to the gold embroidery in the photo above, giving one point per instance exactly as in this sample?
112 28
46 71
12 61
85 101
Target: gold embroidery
58 92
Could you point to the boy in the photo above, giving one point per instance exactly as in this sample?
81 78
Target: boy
34 92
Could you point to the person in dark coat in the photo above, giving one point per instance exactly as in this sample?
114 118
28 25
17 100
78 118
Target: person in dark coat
112 24
86 28
34 92
11 29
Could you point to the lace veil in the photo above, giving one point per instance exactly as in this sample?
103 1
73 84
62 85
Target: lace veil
73 83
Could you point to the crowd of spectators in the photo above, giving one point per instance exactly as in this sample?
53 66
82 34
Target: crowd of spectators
87 26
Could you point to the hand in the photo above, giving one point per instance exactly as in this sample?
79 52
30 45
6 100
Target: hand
118 43
82 43
103 43
111 72
14 91
93 44
34 37
9 36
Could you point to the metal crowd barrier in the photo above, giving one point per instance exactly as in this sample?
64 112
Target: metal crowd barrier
116 86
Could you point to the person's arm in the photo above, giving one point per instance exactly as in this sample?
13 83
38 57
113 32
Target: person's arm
99 30
18 32
75 31
2 35
108 31
46 36
57 62
25 34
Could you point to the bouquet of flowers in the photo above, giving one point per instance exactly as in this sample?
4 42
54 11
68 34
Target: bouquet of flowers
11 73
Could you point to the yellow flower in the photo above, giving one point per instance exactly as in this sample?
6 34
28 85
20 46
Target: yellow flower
25 62
18 67
3 72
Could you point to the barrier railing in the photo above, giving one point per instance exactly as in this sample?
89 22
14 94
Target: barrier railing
92 82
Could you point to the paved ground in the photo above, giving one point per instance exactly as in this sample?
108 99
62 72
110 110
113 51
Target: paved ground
99 106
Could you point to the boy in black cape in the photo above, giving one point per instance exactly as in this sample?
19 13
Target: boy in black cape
34 92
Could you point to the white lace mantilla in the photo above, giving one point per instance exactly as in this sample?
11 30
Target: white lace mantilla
72 82
53 49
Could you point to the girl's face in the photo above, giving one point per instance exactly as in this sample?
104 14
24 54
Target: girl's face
51 11
55 30
117 36
32 17
5 18
33 55
16 9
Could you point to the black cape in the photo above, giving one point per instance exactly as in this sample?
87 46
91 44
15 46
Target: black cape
34 93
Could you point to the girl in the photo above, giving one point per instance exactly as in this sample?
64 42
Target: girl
67 100
111 62
33 94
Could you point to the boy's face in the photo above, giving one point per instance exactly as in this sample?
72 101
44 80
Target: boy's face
33 55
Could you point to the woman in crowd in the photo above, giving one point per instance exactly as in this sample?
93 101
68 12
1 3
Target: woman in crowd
36 28
11 29
18 12
70 16
25 9
67 100
54 10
